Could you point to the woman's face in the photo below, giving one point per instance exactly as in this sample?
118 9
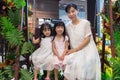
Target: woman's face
72 13
59 30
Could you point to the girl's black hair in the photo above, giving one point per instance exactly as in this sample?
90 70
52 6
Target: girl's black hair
67 8
43 27
59 23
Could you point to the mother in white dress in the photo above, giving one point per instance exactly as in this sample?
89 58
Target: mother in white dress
83 61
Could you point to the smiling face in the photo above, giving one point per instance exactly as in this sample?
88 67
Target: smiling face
46 31
72 13
59 30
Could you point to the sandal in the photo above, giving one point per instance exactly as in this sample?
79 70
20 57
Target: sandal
47 78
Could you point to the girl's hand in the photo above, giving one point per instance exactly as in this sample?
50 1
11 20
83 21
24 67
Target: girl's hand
62 57
59 58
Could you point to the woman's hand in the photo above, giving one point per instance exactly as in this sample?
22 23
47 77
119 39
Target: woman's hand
71 51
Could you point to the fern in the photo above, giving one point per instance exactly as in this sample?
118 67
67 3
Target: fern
27 48
14 17
25 75
15 37
117 41
116 68
6 25
7 73
19 3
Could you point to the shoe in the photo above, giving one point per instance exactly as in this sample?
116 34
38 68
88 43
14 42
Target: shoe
47 78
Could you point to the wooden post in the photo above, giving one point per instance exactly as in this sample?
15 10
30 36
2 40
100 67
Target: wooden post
103 53
17 65
111 29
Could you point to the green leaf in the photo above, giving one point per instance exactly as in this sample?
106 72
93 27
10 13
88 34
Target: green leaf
6 25
27 48
14 17
105 17
15 37
25 75
19 3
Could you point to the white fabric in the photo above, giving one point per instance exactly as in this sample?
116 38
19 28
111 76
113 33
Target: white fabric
84 64
43 56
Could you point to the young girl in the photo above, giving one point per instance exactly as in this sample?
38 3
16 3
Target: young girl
42 57
60 46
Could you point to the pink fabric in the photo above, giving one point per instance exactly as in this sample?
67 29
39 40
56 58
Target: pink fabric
60 46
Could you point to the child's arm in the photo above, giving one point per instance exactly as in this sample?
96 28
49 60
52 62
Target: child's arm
54 50
35 41
66 49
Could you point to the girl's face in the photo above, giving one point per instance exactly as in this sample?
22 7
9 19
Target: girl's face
72 13
47 32
59 30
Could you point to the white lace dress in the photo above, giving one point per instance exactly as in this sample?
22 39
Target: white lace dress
84 64
43 56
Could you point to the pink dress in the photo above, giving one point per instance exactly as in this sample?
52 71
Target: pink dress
60 46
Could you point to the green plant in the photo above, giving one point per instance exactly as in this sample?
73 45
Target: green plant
117 41
26 75
14 16
115 63
7 73
15 38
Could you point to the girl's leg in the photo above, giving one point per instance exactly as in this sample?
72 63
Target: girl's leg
35 73
48 75
65 78
56 74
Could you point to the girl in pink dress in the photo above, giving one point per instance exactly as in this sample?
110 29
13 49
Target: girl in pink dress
60 46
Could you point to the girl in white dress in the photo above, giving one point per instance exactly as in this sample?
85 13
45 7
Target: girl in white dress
42 58
82 61
60 46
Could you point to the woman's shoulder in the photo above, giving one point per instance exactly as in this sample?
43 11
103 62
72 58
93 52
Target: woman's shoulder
85 21
69 23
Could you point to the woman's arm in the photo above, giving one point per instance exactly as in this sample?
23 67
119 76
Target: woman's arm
80 46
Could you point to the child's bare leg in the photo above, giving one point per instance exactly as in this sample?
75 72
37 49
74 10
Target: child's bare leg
56 74
35 73
65 78
48 74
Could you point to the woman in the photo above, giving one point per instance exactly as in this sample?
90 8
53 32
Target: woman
82 60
